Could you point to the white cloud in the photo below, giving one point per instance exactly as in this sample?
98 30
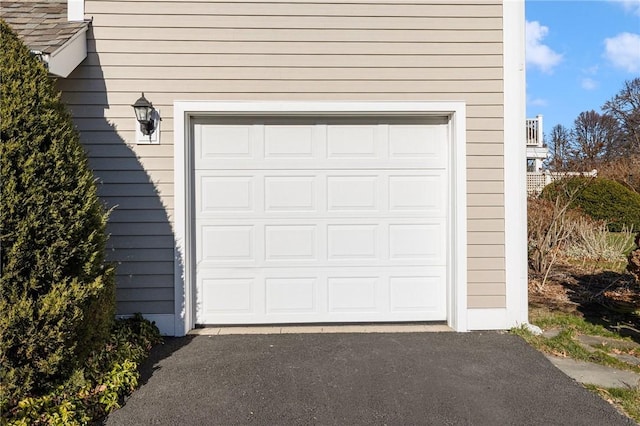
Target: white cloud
631 6
538 54
623 51
592 70
589 83
539 102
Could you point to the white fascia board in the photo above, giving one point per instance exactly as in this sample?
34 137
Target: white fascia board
184 110
515 184
68 56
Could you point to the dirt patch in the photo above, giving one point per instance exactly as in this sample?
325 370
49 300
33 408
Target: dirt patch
599 294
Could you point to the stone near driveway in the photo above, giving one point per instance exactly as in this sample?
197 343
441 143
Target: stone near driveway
551 333
600 341
629 359
595 374
359 379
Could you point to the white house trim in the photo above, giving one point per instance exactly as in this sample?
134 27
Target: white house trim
515 180
185 110
68 56
75 10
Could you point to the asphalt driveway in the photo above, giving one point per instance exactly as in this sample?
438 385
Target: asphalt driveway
358 379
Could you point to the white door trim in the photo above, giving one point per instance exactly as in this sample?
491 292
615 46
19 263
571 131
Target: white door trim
457 232
515 182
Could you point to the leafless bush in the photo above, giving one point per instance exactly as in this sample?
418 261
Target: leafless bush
550 226
592 240
634 260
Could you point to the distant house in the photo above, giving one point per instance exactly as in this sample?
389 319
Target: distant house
537 150
315 162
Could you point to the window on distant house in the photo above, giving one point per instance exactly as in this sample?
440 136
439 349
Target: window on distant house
531 165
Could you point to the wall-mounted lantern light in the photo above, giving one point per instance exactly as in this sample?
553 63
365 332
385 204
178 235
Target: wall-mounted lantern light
146 115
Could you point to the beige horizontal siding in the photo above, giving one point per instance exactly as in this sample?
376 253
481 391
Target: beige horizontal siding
485 225
439 50
123 113
286 86
240 40
143 304
485 250
271 28
486 301
135 176
486 263
485 187
482 289
139 216
124 98
457 55
133 255
358 8
292 73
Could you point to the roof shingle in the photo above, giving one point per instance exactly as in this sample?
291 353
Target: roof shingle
42 25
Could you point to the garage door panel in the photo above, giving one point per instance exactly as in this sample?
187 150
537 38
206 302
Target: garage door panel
309 147
230 296
227 243
224 194
291 142
353 294
418 192
290 193
355 142
291 243
350 242
291 295
227 142
353 242
325 222
347 193
416 293
416 242
414 141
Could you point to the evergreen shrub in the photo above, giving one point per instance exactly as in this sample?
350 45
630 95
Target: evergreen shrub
56 292
602 199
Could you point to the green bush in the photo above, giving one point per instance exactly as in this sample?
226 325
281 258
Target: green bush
602 199
97 387
56 293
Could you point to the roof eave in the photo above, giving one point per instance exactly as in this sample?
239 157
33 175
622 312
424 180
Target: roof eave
67 57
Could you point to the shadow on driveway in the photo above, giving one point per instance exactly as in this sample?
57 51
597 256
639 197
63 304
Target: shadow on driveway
358 379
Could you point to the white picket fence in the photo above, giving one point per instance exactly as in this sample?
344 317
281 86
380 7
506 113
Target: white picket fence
536 181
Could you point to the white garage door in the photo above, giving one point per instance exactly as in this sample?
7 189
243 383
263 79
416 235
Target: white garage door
302 220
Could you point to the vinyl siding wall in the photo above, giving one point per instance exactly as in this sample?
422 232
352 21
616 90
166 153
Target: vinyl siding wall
264 50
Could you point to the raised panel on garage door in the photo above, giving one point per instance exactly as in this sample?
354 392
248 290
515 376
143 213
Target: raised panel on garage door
300 221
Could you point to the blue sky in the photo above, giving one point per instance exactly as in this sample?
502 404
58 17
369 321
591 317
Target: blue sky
579 53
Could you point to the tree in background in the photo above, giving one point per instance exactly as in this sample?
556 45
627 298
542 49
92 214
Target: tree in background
625 108
595 139
559 147
56 294
608 141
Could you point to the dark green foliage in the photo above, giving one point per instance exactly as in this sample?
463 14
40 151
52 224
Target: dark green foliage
602 199
97 387
56 294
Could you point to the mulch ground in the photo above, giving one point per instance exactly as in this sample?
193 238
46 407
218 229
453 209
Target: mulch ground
600 295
